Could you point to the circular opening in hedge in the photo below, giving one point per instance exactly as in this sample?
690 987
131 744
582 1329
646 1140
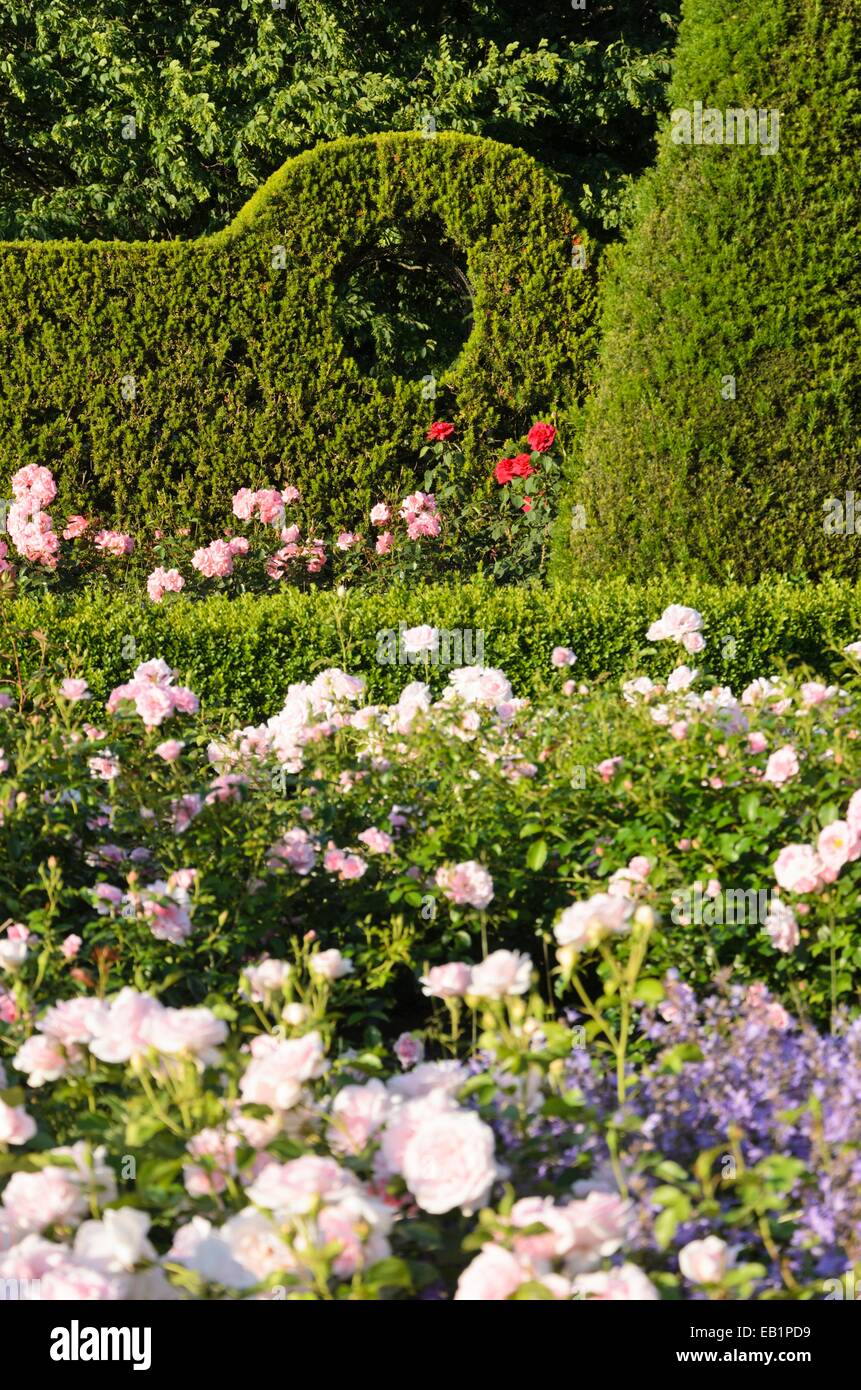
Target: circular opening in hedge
405 303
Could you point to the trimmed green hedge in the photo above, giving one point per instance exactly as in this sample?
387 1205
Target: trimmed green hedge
739 264
241 654
240 373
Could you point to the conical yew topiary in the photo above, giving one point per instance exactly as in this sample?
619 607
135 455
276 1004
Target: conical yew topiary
722 436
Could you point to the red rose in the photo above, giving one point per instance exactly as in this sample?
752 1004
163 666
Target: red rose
521 466
440 430
540 438
527 504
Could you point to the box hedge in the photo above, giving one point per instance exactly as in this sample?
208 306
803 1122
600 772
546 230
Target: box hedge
241 654
157 378
728 402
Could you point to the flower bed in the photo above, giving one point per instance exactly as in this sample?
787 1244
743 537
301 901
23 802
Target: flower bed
397 1001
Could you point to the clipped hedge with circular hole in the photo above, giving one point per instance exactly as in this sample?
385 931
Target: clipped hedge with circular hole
157 378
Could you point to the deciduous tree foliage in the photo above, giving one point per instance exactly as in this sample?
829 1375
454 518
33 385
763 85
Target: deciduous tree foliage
222 94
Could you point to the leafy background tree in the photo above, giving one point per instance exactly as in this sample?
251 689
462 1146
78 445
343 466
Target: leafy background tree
222 94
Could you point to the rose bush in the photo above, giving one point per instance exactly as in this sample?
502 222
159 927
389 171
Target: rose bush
400 539
402 1000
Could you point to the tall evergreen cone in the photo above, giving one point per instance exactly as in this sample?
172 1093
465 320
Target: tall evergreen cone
726 410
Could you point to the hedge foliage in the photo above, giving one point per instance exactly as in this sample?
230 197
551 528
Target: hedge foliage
739 264
237 367
240 655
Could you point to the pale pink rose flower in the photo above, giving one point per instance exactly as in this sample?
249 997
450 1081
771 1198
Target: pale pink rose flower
13 948
479 685
552 1243
418 640
238 545
270 506
16 1126
838 843
693 643
501 974
853 812
385 541
607 769
278 1070
781 766
493 1276
675 624
116 1243
198 1245
330 965
73 1281
115 543
296 849
163 581
440 1079
74 689
679 730
781 926
681 678
451 981
295 1188
409 1050
244 504
358 1114
347 540
42 1059
154 704
583 925
123 1032
449 1162
376 840
193 1032
799 869
290 494
815 693
74 1021
380 514
757 742
71 946
467 884
170 750
625 1284
106 767
267 977
75 527
704 1261
562 656
214 561
256 1243
359 1223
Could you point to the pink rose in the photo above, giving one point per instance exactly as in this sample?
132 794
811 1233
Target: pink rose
493 1276
704 1261
449 1162
502 974
798 868
450 981
782 765
466 884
